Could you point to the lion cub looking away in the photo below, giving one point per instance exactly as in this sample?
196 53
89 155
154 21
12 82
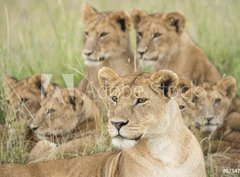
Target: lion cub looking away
161 41
106 43
154 140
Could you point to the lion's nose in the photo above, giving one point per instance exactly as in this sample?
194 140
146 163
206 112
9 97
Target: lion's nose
119 124
87 52
209 118
142 51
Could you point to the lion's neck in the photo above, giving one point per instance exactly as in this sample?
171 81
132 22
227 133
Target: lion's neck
167 150
123 63
173 59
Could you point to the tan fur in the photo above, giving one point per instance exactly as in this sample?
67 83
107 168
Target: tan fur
149 124
106 43
163 43
213 106
183 98
65 119
65 113
24 95
45 150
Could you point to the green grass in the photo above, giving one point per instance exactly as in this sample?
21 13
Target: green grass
46 36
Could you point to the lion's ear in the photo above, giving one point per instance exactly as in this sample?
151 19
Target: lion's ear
9 81
88 12
229 86
121 19
106 76
39 81
166 81
72 101
184 85
137 16
175 21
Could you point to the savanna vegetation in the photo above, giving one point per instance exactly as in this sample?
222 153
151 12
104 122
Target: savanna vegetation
46 37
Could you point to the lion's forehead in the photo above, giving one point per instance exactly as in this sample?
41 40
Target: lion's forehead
22 91
152 24
212 92
99 23
133 85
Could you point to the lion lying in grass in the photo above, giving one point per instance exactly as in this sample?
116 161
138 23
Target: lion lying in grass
24 96
211 112
145 122
213 104
64 112
211 108
23 99
69 121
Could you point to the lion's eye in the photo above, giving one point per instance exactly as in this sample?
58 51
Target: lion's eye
86 33
217 101
140 34
156 35
141 100
24 100
49 111
114 99
181 107
103 34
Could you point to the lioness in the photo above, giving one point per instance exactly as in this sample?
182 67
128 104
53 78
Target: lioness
161 41
106 43
146 123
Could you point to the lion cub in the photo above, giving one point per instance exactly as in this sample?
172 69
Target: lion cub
64 111
162 42
153 139
217 124
68 120
24 95
106 43
215 114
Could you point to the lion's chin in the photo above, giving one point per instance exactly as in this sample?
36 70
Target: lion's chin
93 62
122 143
208 128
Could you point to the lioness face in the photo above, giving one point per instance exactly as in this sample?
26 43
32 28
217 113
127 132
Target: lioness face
137 107
212 104
60 113
106 35
25 95
157 34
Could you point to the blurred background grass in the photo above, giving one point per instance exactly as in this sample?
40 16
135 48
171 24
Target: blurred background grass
46 36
